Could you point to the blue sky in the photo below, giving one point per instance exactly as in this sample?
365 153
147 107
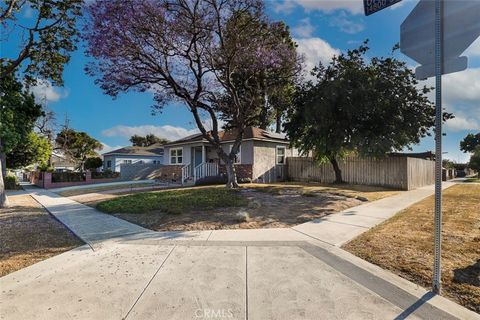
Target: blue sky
321 28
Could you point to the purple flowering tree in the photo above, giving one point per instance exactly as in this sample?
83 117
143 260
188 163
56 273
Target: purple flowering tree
187 51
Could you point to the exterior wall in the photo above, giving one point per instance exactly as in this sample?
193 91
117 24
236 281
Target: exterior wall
44 180
117 160
396 172
265 168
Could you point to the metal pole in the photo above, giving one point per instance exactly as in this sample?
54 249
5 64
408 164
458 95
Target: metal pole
437 284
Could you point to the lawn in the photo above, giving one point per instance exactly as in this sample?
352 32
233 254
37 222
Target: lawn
404 244
76 192
29 234
174 201
253 206
473 180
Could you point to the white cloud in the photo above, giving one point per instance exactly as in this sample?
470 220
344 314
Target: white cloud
461 96
327 6
345 24
304 29
460 123
315 50
43 90
167 132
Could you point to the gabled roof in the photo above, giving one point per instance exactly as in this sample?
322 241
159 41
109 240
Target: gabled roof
230 135
153 150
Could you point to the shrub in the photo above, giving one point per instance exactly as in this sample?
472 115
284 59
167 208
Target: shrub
11 182
93 163
212 180
45 168
68 176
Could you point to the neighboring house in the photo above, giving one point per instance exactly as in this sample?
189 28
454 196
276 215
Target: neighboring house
62 163
132 155
262 156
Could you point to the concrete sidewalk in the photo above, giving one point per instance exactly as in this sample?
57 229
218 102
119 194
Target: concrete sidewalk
85 222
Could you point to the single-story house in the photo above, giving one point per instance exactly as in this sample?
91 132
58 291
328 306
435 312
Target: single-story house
61 163
261 158
132 155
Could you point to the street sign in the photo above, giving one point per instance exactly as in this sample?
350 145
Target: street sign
461 27
372 6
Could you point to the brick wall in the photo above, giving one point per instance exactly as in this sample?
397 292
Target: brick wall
244 171
44 180
169 173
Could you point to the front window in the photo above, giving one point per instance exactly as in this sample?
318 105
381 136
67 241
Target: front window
176 156
280 155
109 163
127 161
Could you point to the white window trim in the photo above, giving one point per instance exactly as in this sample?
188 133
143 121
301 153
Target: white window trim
239 154
170 155
284 155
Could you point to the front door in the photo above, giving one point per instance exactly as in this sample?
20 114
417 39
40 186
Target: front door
197 156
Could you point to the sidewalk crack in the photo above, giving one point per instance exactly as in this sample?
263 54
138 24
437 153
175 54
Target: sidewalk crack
148 284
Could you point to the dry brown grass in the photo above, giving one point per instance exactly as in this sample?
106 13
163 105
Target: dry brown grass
404 244
29 235
370 192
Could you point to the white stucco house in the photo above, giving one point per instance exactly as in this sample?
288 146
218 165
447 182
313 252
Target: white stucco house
132 155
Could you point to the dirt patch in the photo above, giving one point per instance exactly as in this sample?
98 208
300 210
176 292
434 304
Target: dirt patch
265 210
28 234
404 244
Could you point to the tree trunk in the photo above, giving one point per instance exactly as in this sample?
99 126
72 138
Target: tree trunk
278 126
3 160
264 113
231 175
3 196
338 172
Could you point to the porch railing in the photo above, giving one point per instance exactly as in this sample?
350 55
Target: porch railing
185 173
205 170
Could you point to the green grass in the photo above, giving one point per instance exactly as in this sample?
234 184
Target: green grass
93 189
174 201
473 180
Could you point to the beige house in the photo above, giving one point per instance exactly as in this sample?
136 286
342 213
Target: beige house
261 158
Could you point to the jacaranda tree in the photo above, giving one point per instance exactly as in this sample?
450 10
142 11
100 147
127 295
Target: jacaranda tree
187 51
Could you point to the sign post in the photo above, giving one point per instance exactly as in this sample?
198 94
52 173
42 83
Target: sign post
437 282
372 6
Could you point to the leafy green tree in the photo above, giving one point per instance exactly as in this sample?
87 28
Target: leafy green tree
367 108
48 37
148 140
93 163
475 161
18 113
35 149
77 145
470 142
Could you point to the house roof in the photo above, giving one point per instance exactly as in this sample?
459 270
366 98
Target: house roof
153 150
419 155
230 135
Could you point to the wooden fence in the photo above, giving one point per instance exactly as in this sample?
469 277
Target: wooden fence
394 172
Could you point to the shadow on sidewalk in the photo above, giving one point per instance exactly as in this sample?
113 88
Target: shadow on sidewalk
410 310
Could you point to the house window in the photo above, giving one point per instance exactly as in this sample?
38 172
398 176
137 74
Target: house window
109 163
176 156
127 161
281 155
238 156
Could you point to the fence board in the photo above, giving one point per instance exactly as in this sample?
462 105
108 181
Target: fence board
394 172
